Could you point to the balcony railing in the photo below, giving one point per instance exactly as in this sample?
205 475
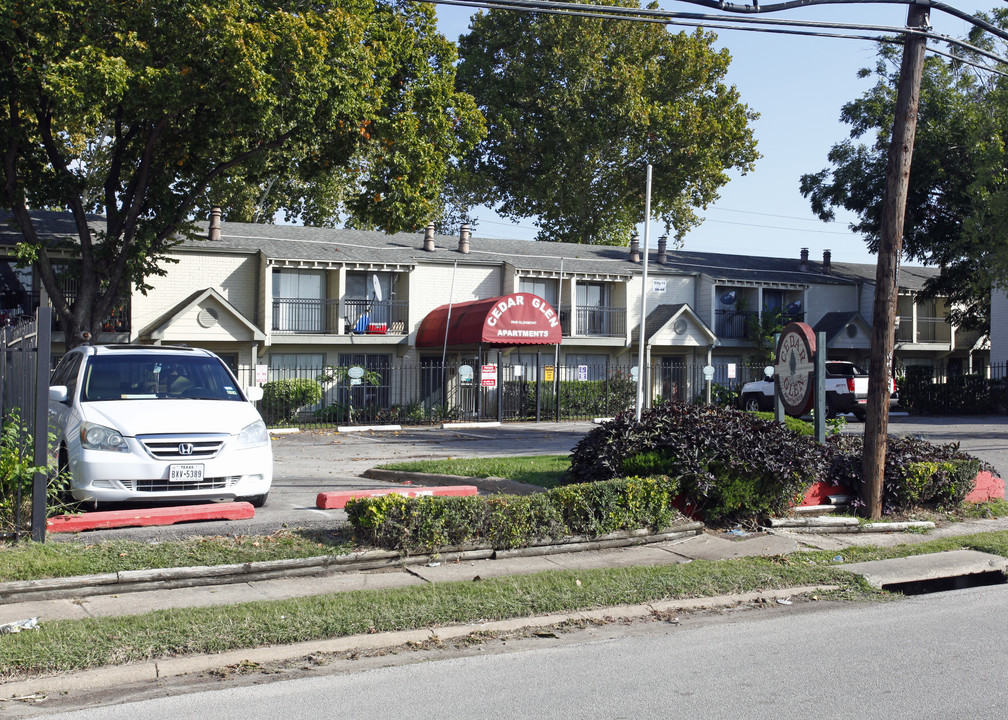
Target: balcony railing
929 330
305 315
385 317
594 321
118 320
322 316
734 324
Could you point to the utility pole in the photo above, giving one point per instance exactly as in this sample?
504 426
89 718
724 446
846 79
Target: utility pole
890 248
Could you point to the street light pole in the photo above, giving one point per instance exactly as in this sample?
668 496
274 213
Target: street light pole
643 295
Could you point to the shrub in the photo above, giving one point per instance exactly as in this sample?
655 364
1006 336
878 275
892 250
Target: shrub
17 473
506 521
917 473
791 423
283 398
729 464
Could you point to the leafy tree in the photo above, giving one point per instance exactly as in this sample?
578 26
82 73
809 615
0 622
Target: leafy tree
959 158
577 107
148 113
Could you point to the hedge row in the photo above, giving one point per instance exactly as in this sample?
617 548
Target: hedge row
508 521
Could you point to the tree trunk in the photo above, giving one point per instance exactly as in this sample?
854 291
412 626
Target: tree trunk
887 273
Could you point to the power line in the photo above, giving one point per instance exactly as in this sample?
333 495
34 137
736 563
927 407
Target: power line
811 28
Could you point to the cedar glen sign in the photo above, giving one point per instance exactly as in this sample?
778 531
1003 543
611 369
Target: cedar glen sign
511 318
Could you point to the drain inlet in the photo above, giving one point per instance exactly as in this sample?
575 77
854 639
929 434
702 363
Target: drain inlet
944 584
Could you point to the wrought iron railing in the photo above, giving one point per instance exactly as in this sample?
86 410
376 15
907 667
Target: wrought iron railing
594 321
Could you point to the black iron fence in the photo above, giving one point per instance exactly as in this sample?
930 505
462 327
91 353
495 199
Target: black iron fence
950 389
375 392
24 404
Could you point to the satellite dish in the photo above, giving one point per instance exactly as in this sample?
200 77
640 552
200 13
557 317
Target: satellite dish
377 288
728 298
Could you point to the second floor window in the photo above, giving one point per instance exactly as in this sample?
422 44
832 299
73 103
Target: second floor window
546 288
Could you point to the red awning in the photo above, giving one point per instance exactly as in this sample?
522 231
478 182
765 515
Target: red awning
515 319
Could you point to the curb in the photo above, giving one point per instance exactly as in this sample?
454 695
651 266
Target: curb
91 680
149 517
497 485
338 499
182 577
367 428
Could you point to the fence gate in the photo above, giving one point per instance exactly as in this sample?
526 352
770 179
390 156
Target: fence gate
24 409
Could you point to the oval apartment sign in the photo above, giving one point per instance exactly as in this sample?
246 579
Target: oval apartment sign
795 368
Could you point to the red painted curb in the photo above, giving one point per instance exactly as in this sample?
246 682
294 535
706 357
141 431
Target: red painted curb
987 487
336 500
144 517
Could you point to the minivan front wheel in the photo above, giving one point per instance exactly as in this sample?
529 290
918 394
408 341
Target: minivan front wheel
257 501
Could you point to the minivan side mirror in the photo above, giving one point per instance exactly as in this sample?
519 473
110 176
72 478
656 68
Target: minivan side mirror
254 393
58 393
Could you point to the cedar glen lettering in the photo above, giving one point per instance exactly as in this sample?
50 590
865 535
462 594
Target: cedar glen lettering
515 301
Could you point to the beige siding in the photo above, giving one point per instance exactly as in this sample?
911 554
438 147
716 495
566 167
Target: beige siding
233 276
999 327
823 299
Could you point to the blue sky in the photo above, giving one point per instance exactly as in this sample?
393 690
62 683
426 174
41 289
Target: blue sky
798 86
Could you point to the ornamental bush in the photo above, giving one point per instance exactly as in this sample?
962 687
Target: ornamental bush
282 399
729 465
917 473
426 524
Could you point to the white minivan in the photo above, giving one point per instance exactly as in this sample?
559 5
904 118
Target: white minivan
157 423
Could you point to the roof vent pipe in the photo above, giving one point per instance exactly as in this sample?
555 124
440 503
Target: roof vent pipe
214 232
635 248
464 239
428 238
803 266
826 269
662 246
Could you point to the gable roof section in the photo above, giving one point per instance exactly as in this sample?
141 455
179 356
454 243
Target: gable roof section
834 324
664 317
156 330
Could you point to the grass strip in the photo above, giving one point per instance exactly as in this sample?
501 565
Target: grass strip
67 645
543 470
28 560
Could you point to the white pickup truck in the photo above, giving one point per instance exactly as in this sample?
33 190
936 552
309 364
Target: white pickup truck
846 391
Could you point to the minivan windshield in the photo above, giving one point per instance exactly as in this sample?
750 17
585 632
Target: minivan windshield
151 376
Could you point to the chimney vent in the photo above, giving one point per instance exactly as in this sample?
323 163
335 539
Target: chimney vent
803 266
826 269
464 239
662 246
634 248
214 232
428 238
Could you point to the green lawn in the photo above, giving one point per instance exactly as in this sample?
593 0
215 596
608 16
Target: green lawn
542 470
67 645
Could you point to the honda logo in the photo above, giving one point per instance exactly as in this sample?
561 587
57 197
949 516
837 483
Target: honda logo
185 448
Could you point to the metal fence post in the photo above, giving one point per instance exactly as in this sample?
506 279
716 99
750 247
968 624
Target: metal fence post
40 482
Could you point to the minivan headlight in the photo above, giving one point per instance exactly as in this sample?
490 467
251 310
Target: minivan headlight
99 437
253 435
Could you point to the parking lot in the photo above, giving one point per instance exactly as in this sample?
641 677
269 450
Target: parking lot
310 462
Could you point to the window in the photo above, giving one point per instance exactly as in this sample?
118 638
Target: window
373 391
593 309
295 365
298 297
361 299
546 288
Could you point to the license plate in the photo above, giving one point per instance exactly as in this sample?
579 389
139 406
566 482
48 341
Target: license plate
185 473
